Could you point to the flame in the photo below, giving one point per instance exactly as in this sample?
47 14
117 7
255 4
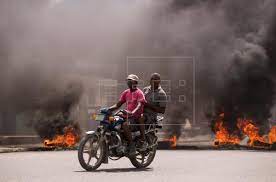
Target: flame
68 139
222 135
172 140
249 129
272 135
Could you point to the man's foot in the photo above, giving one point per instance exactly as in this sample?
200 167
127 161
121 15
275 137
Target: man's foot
132 150
143 145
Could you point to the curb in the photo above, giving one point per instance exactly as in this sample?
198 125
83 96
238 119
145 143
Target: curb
9 150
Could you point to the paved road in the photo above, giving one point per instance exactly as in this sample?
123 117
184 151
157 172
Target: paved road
189 166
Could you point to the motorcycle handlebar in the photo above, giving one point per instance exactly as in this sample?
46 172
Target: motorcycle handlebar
120 111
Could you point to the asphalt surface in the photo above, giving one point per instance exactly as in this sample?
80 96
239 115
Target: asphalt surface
180 165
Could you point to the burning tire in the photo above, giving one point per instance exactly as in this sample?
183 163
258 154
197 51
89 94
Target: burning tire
91 152
144 159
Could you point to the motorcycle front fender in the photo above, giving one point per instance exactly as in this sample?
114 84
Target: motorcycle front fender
90 132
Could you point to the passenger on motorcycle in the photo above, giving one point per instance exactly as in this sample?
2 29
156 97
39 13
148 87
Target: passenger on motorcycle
156 99
135 100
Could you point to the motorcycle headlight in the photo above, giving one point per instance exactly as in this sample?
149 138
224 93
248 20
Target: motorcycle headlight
94 116
111 119
97 117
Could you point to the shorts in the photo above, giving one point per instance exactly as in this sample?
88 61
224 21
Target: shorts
133 124
149 118
132 121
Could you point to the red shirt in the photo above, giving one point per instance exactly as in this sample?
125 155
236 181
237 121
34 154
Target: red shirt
132 98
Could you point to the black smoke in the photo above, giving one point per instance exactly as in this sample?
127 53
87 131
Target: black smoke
233 43
249 89
45 44
53 112
249 86
42 43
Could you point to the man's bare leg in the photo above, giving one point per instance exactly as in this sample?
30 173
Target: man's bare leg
128 136
127 132
142 128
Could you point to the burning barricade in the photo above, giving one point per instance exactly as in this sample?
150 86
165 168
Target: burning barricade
54 120
272 135
246 128
69 139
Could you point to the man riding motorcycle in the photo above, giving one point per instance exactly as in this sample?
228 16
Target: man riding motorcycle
135 101
108 142
156 99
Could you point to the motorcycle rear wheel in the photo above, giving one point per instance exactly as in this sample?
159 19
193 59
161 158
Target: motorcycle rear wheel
144 159
88 150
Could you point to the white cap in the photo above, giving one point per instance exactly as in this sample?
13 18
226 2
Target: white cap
132 77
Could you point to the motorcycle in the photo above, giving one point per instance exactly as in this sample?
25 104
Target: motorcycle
108 142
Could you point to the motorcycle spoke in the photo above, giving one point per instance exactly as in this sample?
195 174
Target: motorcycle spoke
86 151
97 146
89 150
89 159
143 159
90 143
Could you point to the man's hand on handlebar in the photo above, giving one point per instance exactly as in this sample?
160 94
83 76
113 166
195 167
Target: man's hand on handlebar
105 110
123 113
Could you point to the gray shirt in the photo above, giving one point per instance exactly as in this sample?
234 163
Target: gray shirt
156 97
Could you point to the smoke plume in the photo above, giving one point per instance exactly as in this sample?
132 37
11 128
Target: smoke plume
52 113
47 44
233 42
249 85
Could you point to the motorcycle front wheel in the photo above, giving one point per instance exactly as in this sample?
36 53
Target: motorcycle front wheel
91 152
